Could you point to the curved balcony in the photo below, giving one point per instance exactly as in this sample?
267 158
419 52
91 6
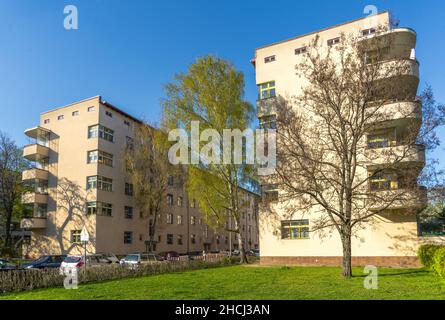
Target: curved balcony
34 198
35 152
400 68
401 40
396 113
33 223
267 107
396 155
35 174
410 201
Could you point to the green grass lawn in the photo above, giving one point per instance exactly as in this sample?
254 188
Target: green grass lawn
255 282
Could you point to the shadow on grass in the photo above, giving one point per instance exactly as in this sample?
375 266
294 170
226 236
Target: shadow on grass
417 272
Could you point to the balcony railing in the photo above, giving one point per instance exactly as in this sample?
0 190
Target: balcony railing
35 174
395 153
411 200
33 223
35 198
35 152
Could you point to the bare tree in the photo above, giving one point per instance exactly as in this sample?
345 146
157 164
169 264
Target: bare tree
339 161
147 167
73 202
11 166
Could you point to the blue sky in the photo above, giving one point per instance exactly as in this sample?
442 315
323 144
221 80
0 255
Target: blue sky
127 50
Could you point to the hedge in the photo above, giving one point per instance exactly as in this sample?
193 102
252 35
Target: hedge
426 254
439 262
433 257
23 280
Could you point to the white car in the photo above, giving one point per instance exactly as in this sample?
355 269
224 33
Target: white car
138 258
72 262
92 260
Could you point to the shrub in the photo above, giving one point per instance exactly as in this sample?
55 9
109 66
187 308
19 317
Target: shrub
426 254
438 264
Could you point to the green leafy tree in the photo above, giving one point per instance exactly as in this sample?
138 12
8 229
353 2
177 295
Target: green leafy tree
212 92
11 166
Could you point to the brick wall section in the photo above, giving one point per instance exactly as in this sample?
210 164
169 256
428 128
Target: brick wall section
399 262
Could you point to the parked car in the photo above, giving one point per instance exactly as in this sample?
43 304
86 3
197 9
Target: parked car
6 265
235 253
78 261
254 253
194 255
170 255
140 258
46 262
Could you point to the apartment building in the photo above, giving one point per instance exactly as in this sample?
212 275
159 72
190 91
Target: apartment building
78 181
392 238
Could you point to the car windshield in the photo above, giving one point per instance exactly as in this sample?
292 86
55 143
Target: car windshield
132 257
72 259
40 260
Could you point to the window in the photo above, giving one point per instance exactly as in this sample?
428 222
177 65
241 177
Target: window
269 59
100 208
100 157
75 113
180 201
268 122
383 181
105 158
180 237
129 189
61 117
169 238
92 156
270 192
193 238
170 199
170 180
368 32
99 182
217 239
295 229
375 56
169 218
75 236
179 219
91 109
128 237
194 204
128 212
300 50
383 139
127 123
266 90
46 121
109 114
192 220
333 42
101 132
130 143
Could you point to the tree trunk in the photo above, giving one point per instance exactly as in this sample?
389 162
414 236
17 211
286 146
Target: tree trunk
347 260
8 230
242 250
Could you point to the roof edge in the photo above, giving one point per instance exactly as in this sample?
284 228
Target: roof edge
318 31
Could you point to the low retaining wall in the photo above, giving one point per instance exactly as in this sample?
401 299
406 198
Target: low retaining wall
400 262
